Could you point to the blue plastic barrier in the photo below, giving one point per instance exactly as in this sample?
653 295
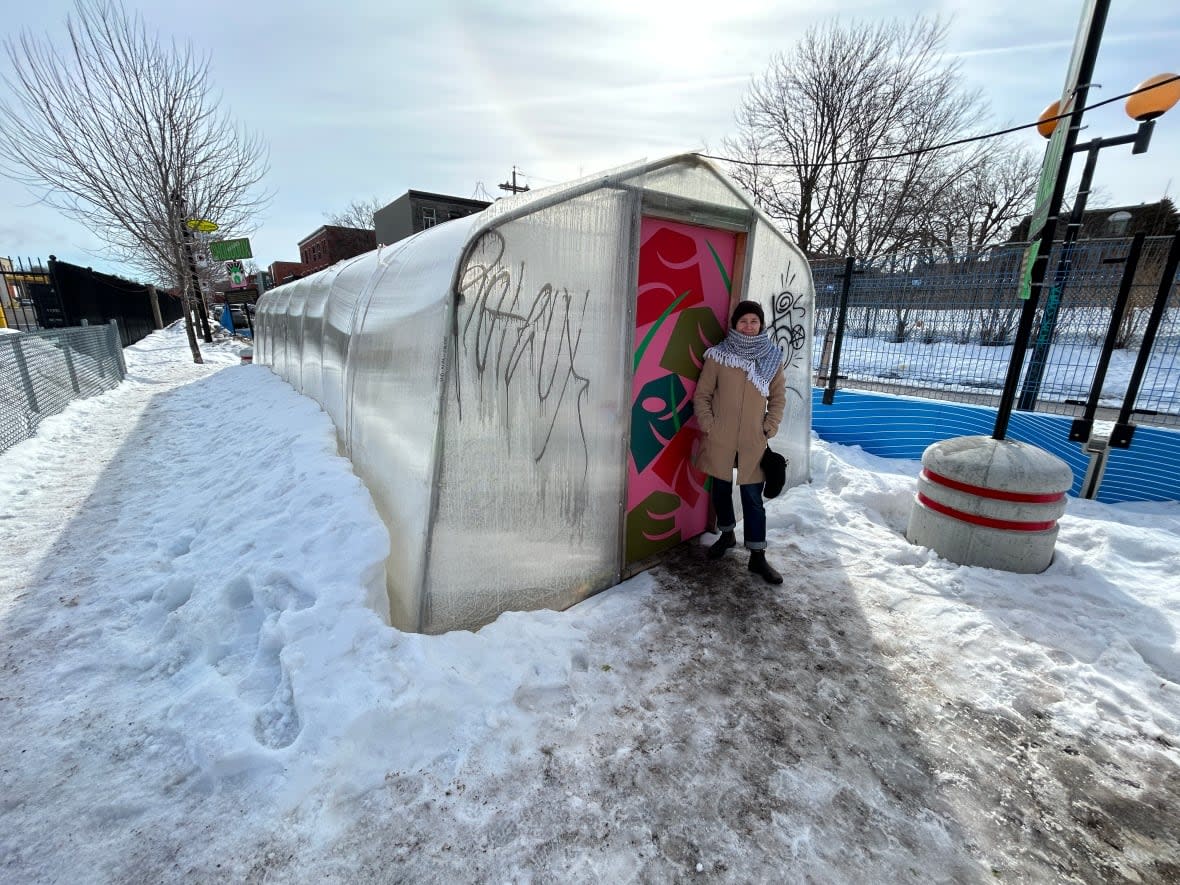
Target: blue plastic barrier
902 427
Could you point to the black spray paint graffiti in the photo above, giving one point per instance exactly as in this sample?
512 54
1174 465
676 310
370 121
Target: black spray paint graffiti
788 319
789 322
506 333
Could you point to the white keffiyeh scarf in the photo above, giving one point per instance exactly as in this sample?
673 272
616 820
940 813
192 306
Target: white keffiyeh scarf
756 355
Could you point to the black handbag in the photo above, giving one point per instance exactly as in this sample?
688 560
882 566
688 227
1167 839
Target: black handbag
774 468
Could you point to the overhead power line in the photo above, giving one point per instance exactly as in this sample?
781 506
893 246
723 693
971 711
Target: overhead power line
513 187
936 147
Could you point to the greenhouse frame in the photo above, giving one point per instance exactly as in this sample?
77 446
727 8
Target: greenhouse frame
515 387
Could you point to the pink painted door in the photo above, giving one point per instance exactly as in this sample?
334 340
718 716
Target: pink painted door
685 278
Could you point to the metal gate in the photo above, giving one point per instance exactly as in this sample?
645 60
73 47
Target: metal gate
27 298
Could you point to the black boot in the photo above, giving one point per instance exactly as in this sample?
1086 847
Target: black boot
718 547
759 566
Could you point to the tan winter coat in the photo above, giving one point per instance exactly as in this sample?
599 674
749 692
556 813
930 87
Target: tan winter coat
736 421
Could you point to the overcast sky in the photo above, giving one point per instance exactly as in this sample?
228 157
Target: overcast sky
360 99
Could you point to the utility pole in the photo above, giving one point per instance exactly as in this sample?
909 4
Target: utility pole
514 187
198 297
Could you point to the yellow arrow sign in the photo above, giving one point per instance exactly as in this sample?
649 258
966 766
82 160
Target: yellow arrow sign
202 225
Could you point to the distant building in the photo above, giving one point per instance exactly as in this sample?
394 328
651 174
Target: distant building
330 244
256 284
1154 219
285 271
414 211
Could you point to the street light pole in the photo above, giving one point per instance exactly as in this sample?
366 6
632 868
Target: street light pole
1153 98
1080 81
1040 356
965 479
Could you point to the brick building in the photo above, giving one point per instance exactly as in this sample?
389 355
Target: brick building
414 211
330 244
285 271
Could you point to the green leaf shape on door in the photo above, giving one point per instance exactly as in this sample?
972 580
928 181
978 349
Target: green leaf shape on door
662 407
651 526
696 330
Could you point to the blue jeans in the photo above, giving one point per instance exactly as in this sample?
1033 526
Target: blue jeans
753 513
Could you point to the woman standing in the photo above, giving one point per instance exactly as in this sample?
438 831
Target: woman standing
739 403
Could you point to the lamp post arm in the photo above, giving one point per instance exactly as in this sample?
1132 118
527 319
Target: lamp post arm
1143 137
1098 144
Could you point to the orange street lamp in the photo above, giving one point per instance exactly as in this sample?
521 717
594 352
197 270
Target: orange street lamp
1154 97
1050 117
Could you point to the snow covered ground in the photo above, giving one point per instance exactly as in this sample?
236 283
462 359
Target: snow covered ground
193 689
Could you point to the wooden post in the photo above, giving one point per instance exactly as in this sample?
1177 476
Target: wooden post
154 300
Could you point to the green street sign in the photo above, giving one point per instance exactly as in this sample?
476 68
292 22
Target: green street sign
1026 266
230 250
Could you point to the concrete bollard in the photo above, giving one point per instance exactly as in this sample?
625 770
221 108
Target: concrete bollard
990 503
247 355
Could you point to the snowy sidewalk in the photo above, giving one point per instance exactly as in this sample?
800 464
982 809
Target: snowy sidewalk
193 689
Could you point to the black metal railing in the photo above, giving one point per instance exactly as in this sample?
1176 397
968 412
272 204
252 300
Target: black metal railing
944 328
25 293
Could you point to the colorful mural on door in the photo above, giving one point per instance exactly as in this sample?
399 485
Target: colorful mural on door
685 277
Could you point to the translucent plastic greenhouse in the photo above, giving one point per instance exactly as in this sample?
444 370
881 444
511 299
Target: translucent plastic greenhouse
515 387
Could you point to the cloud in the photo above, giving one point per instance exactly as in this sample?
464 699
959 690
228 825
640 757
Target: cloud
577 100
1026 48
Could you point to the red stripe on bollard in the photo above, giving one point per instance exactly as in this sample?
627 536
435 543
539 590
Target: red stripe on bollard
993 494
986 521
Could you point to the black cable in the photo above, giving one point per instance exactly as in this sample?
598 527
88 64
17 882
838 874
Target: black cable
938 147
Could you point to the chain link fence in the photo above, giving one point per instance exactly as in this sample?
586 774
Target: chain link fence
42 372
945 329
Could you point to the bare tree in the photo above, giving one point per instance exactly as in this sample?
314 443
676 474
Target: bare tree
124 134
992 192
358 213
837 129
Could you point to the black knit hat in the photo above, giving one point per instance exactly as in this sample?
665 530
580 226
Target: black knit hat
745 307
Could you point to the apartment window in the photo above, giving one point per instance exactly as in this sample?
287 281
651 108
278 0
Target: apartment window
1118 222
429 219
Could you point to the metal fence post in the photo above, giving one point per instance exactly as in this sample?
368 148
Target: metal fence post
23 368
1120 438
841 318
67 351
116 346
1098 448
1079 431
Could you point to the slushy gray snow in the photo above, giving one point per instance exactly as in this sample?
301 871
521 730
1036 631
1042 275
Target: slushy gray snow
194 686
